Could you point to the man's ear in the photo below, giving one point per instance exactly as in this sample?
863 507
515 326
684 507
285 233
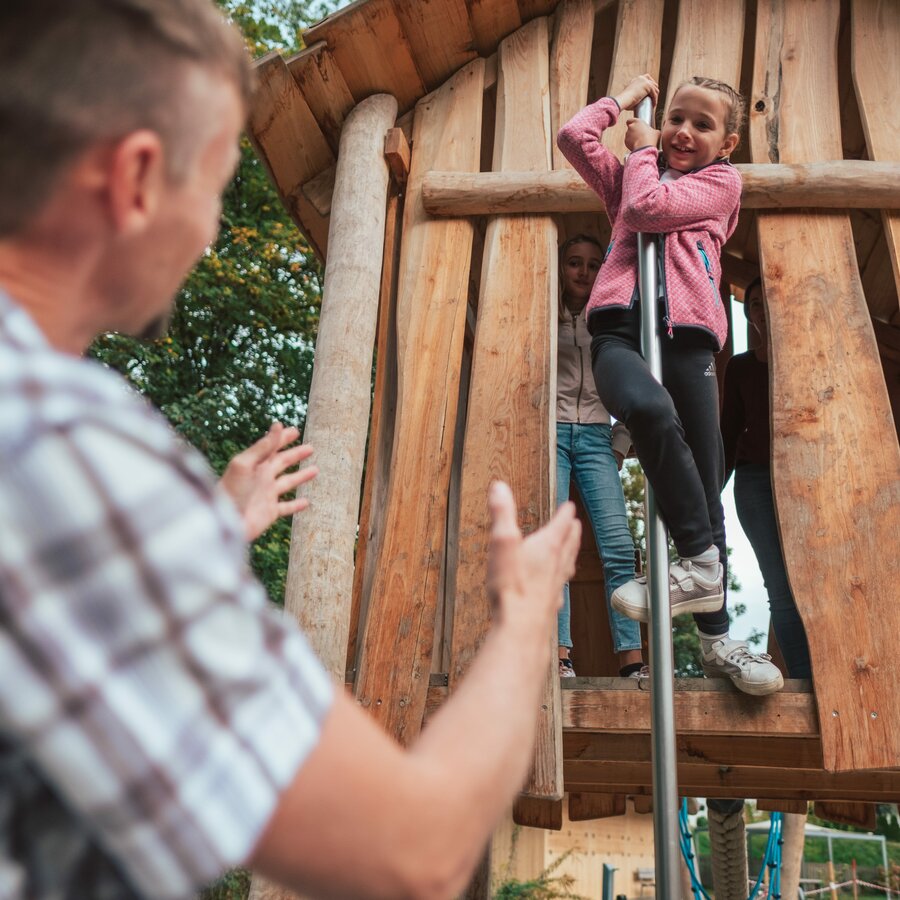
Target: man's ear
729 145
136 180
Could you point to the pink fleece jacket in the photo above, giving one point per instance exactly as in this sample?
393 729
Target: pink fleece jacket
694 215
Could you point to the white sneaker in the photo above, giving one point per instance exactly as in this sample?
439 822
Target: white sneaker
689 592
566 669
752 673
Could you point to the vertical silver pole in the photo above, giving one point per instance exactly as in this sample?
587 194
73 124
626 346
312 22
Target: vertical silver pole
662 685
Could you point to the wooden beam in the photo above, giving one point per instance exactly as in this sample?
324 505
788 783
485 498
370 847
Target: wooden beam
839 184
701 780
829 404
435 256
861 815
794 807
510 409
585 807
705 706
396 152
538 812
320 569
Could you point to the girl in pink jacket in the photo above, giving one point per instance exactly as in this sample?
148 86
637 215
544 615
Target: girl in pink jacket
688 195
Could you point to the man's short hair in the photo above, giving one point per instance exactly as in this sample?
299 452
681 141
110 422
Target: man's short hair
77 72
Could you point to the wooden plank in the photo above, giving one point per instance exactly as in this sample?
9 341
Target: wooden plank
537 812
570 63
763 750
830 406
876 74
531 9
703 780
709 42
439 36
862 815
290 144
491 21
324 89
381 432
795 807
508 431
431 305
643 804
826 185
617 704
636 50
584 807
320 568
371 51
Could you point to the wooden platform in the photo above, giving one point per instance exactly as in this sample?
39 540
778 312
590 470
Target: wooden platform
728 744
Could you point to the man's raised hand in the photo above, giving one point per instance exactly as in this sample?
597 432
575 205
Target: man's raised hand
257 478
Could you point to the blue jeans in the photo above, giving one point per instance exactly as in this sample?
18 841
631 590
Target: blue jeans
756 512
585 451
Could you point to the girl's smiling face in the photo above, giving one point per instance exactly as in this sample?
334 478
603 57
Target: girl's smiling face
581 264
693 134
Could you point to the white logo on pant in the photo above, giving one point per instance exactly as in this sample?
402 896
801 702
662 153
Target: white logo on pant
710 370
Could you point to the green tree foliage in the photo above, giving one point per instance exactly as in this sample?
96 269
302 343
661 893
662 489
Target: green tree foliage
686 644
238 353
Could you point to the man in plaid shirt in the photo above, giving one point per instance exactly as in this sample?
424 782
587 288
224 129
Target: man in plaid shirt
158 723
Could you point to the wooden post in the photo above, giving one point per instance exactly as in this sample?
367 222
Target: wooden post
320 569
835 458
793 835
831 876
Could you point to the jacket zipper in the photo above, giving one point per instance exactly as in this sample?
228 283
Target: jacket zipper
708 267
580 367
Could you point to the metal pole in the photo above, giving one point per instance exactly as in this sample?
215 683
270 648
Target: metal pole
662 686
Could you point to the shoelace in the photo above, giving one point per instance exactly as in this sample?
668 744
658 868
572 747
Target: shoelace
740 653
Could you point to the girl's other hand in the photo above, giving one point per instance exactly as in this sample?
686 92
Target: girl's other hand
638 88
638 134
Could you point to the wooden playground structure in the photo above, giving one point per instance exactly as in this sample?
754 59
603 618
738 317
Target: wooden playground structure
413 142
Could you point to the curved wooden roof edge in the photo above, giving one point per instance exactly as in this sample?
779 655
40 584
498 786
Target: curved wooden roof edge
406 48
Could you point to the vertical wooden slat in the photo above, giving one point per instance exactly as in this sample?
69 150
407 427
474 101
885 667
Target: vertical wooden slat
324 89
320 568
835 458
395 662
637 50
439 36
876 75
508 432
288 140
381 431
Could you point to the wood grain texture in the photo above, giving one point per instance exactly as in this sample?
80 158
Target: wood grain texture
371 51
794 807
439 36
839 184
290 144
395 662
324 89
320 568
570 65
585 807
615 704
862 815
835 458
381 432
636 50
876 75
491 21
508 431
538 812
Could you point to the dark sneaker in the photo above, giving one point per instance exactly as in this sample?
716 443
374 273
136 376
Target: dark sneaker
566 669
690 591
752 673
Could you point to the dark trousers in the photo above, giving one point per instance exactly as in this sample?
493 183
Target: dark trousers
675 430
756 511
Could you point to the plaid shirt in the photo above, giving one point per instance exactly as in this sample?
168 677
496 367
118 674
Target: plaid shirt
152 705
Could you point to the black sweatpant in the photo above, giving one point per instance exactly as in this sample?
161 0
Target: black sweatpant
675 430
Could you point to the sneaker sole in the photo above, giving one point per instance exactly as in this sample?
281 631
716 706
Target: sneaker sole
641 613
755 690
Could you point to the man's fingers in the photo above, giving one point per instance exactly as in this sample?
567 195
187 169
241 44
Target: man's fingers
289 507
503 511
291 457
